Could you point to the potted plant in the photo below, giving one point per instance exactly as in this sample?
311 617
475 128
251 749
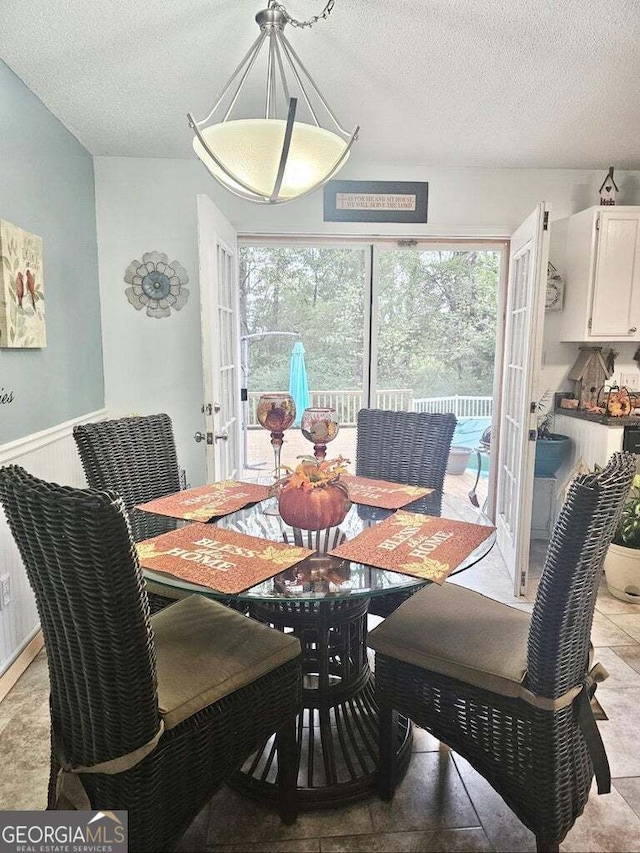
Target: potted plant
311 496
552 448
622 563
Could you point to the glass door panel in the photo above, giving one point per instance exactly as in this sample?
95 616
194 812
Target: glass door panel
317 295
435 338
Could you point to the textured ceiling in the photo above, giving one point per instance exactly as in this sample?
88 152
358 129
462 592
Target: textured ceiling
500 83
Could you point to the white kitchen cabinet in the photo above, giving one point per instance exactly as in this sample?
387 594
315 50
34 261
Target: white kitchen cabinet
602 275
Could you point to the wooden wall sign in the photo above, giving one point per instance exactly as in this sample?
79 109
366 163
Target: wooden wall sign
376 201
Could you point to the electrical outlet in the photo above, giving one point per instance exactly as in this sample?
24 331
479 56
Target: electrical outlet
5 591
631 380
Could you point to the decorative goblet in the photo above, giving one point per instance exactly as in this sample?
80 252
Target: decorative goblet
276 412
319 425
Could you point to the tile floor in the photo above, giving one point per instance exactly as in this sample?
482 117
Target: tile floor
442 804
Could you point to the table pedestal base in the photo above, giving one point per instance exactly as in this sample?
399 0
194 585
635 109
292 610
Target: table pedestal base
338 728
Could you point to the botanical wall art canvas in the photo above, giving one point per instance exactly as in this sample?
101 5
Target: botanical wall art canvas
21 288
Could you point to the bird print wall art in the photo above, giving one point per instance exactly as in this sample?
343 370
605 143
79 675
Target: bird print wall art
22 321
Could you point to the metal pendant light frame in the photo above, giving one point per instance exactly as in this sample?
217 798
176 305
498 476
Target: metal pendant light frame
272 22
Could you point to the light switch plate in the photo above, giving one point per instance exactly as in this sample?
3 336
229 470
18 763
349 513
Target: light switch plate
631 380
5 591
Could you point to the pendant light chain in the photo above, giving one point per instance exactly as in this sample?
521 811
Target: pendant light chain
321 17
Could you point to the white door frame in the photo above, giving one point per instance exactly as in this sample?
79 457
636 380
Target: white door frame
378 244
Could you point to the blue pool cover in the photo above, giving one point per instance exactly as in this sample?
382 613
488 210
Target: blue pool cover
468 433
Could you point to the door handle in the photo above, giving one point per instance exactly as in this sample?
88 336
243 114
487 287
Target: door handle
199 436
222 436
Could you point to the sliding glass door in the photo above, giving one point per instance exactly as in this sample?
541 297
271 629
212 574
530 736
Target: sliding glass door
395 327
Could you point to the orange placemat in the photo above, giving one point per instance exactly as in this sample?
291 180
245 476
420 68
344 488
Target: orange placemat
206 502
381 493
418 545
217 558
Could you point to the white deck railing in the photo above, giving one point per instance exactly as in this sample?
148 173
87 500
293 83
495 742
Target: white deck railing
348 403
461 406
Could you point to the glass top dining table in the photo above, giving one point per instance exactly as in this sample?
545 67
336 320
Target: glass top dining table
324 601
320 576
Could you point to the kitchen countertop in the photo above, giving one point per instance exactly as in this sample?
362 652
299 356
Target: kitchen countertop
605 420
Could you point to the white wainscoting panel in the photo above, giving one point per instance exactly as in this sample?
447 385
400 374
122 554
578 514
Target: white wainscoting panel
52 455
593 442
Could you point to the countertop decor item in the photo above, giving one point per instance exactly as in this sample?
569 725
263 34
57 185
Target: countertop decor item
21 288
276 412
614 401
312 497
588 374
277 156
156 284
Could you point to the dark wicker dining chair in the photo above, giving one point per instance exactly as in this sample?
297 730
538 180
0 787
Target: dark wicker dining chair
508 691
404 447
136 457
147 715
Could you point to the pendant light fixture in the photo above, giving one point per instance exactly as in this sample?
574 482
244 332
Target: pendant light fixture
277 157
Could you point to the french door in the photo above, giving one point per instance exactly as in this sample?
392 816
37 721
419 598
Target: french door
218 263
382 342
524 317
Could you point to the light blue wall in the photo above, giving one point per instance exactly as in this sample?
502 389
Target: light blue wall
47 187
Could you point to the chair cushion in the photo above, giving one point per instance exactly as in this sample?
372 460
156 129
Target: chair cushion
461 634
165 590
205 651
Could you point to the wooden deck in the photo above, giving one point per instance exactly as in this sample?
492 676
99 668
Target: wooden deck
260 458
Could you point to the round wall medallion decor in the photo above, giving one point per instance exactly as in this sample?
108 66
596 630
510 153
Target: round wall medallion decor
156 284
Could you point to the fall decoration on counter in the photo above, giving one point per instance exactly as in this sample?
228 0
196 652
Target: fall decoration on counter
614 401
311 496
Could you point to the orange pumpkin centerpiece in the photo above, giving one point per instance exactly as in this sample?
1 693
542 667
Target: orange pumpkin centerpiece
311 497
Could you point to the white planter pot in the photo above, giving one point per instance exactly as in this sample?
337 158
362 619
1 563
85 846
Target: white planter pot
622 571
458 459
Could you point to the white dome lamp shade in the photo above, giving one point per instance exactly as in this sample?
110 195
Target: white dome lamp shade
272 159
